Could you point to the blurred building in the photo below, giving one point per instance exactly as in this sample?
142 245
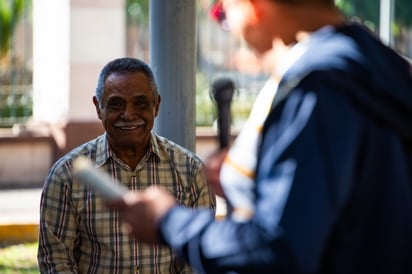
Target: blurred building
48 77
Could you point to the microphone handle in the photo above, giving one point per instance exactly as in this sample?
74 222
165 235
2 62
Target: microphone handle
223 122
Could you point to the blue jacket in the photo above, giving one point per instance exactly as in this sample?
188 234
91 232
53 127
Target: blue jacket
333 185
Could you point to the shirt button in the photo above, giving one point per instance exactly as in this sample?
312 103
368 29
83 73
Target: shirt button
136 269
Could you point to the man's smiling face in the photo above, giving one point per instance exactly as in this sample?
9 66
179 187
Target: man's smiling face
128 110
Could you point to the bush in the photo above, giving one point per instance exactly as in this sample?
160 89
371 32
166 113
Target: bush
21 258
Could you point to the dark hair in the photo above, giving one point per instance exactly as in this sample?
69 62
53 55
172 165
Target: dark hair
123 66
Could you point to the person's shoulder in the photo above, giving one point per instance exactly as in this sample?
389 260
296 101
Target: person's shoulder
354 45
331 48
88 148
351 50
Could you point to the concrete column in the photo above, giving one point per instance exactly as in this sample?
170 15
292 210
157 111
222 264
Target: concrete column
172 57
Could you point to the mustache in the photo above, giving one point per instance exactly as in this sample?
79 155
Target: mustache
129 124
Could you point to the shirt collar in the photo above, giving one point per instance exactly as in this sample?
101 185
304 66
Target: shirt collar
104 152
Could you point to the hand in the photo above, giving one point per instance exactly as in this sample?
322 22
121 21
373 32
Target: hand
142 211
213 165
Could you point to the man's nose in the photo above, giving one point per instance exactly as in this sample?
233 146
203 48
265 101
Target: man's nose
129 112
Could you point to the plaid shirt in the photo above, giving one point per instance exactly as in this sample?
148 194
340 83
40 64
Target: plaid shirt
79 235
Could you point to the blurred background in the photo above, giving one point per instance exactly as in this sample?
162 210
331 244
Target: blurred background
51 52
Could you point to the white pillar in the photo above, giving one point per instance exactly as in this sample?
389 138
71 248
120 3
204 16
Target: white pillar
97 35
50 60
409 49
72 41
385 21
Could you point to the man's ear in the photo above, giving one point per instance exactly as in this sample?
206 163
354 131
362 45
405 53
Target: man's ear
255 10
97 106
259 9
157 107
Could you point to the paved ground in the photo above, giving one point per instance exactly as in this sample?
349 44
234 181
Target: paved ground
19 215
19 206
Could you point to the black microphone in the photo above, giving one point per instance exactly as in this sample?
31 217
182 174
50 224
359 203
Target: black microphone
222 92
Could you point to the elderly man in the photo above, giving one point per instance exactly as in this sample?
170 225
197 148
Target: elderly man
77 233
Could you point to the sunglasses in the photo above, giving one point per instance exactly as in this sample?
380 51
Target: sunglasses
218 15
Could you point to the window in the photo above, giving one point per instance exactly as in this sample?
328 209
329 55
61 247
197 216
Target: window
220 54
15 62
390 19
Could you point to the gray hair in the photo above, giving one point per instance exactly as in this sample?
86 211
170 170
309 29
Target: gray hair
123 66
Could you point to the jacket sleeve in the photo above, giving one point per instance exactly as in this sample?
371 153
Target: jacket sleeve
300 188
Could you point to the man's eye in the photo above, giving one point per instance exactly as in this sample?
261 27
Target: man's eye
115 104
142 104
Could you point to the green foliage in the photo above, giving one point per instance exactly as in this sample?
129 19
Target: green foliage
205 107
10 13
15 76
16 104
403 14
137 11
368 13
21 258
369 10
